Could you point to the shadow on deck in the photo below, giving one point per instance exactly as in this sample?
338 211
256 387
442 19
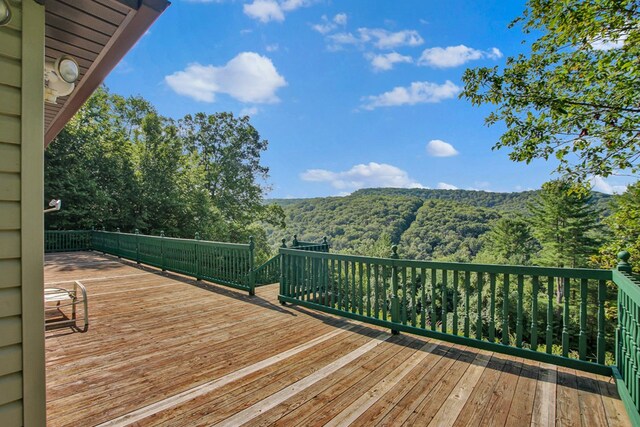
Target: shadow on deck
164 349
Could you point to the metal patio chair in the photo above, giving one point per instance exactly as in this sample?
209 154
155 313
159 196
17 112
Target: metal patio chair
59 301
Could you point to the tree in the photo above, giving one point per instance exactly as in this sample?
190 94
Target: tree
624 225
510 241
576 94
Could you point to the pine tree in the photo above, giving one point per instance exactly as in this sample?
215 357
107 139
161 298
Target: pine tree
564 223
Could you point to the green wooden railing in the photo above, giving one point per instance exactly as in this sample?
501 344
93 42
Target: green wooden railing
229 264
555 315
269 272
627 368
67 241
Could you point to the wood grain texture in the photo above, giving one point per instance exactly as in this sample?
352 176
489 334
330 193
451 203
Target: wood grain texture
183 353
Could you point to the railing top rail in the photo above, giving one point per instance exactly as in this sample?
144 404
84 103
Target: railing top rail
67 231
629 284
571 273
190 241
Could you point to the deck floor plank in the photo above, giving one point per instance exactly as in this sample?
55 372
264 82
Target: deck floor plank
164 349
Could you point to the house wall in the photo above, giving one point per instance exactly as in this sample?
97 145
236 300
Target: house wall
22 377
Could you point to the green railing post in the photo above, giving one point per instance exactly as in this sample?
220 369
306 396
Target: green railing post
137 233
284 243
118 241
295 241
325 244
196 255
252 279
162 264
395 303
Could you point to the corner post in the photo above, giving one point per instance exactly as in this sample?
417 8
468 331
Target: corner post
325 245
395 303
162 265
252 279
137 233
196 245
295 241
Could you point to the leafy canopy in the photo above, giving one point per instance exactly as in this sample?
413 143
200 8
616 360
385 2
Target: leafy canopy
576 94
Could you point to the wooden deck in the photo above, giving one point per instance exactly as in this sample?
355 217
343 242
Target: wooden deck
166 350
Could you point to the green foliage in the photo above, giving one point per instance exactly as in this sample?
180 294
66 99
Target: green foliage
119 164
564 223
510 241
446 230
624 224
575 96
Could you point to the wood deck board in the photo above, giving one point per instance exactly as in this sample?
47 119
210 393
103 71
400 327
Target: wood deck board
156 336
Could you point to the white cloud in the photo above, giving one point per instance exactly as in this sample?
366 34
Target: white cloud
439 148
445 186
600 184
326 26
417 93
363 176
376 37
272 10
383 39
384 62
249 77
249 111
264 10
453 56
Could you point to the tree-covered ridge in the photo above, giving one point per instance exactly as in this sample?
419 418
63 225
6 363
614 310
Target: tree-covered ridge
427 224
445 229
352 223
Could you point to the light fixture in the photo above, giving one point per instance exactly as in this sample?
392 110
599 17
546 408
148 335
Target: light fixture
59 77
5 13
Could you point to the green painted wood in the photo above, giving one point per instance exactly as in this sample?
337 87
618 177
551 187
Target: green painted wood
434 314
467 298
628 400
565 317
414 291
492 307
444 301
505 309
519 314
455 302
582 337
534 313
423 298
602 296
549 330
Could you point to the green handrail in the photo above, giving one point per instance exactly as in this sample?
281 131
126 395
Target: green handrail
552 315
67 240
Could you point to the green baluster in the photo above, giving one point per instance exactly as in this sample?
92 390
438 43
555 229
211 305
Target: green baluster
376 291
455 302
445 273
384 291
519 320
492 307
467 292
565 318
414 290
602 296
582 337
480 278
434 318
534 313
360 283
404 296
549 331
339 285
395 305
423 300
505 309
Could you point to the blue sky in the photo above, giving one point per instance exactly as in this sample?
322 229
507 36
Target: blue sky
349 94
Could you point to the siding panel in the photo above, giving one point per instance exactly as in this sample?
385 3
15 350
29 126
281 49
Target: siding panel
10 331
9 129
9 244
9 157
11 414
10 277
10 302
11 45
9 218
11 72
11 359
10 388
9 187
10 102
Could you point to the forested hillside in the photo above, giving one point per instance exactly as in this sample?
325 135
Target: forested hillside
427 224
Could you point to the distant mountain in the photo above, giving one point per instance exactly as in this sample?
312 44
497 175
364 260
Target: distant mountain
428 224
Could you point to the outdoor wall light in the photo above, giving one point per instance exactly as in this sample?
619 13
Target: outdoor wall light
59 77
55 205
5 13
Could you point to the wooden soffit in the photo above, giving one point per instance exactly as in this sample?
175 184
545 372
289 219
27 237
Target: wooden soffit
97 34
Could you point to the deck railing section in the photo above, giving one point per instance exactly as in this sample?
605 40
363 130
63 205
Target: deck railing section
627 368
230 264
554 315
67 240
269 272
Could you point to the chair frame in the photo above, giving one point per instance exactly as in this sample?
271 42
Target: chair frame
63 297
